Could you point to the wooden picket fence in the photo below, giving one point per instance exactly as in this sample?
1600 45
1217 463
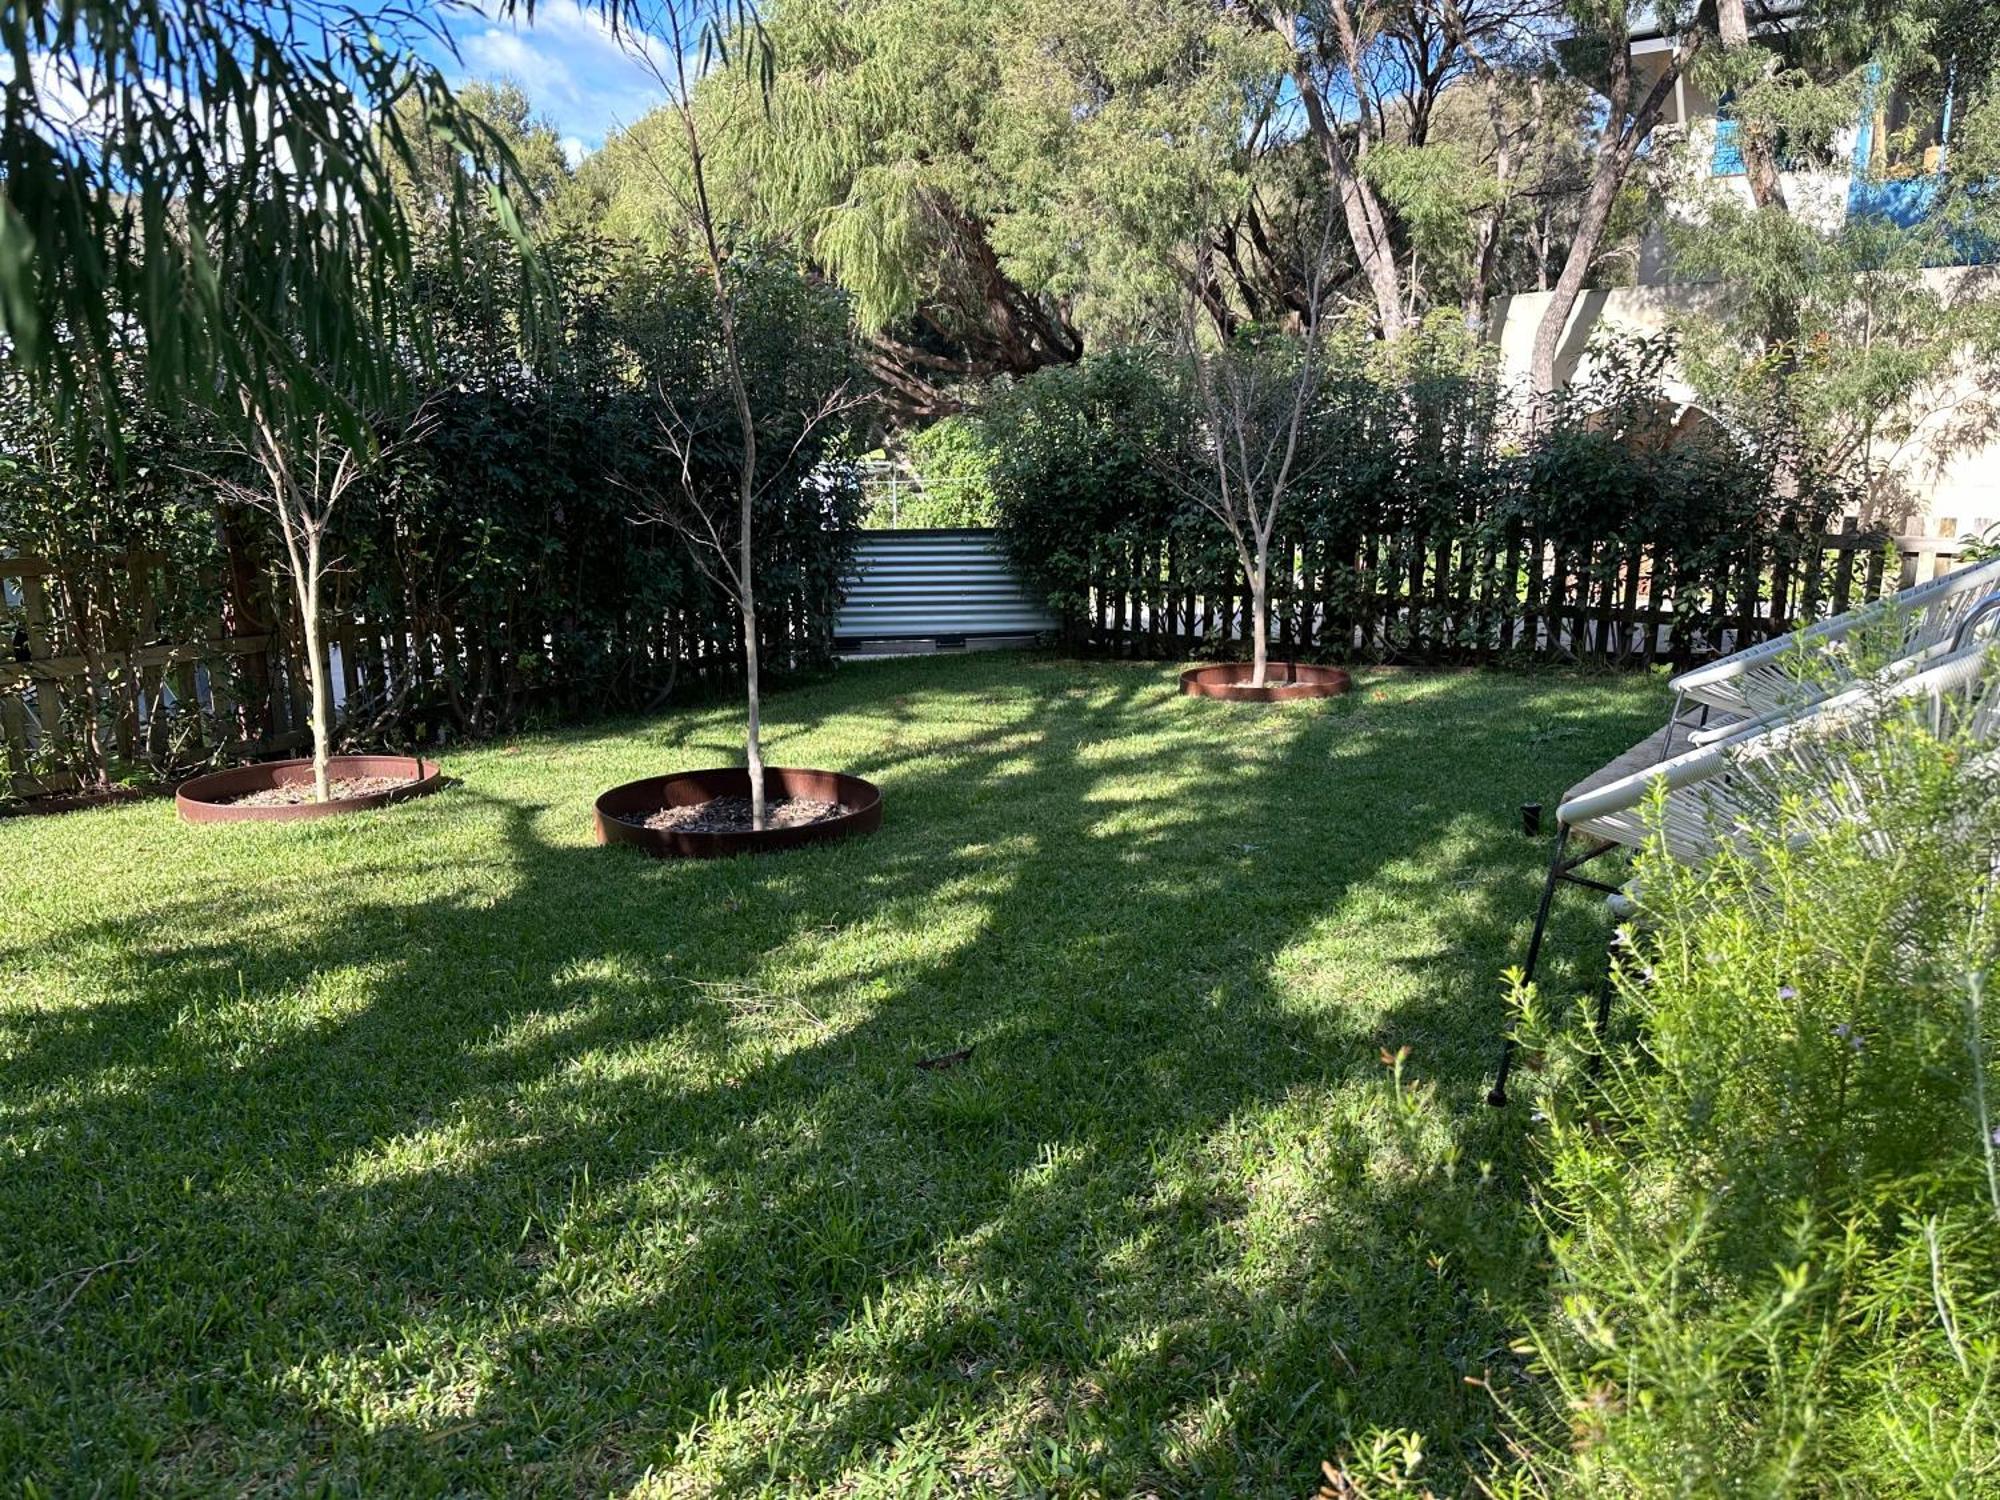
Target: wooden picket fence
196 671
200 670
1406 597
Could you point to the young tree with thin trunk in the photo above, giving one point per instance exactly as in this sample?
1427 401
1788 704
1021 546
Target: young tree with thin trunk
298 469
1254 442
660 38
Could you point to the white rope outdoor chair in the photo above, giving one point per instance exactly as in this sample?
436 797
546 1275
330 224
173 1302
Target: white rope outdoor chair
1787 672
1730 787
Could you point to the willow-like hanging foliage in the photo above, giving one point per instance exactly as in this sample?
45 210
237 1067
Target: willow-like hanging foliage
217 177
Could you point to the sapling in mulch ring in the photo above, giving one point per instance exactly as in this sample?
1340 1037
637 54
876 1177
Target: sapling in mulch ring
217 187
1255 441
298 468
718 459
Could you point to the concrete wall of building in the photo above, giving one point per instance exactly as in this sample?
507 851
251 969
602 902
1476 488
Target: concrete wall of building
1945 482
1819 198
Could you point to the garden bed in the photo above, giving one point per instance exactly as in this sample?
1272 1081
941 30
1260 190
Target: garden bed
706 814
281 791
1284 681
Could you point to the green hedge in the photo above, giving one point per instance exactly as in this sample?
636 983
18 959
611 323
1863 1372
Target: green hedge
1092 461
519 543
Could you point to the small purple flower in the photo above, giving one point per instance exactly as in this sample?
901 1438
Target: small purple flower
1841 1028
1786 992
1855 1041
1996 1135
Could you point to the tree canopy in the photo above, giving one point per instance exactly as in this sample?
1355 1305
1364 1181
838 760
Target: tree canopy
1001 182
215 181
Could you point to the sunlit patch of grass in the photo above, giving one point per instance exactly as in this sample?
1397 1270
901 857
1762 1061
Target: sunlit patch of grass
438 1150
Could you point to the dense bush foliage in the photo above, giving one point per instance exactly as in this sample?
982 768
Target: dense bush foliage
1775 1219
93 603
952 466
527 523
512 556
1075 453
1431 454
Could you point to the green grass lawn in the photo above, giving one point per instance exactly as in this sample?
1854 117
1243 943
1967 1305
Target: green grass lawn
437 1150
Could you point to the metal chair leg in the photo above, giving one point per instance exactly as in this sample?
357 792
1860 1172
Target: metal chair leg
1674 723
1498 1096
1604 995
1602 1021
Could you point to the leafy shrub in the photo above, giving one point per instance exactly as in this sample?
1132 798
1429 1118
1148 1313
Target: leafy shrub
953 467
508 556
1616 462
1074 461
522 529
1437 467
1775 1221
74 506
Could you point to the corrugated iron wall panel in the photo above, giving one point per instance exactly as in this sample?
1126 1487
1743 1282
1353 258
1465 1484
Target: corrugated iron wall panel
918 585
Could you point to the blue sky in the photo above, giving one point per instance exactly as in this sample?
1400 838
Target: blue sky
569 64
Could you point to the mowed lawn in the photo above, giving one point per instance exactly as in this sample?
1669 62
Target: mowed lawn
437 1150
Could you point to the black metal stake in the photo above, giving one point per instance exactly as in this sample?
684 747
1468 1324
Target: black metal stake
1498 1096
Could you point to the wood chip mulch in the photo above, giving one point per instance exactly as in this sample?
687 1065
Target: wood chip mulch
732 815
340 789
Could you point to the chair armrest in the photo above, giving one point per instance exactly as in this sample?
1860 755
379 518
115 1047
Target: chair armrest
1978 578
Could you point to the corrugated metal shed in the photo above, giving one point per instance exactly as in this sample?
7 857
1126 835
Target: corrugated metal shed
952 587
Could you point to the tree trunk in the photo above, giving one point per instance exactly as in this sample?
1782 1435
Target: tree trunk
753 725
1376 249
1767 191
1732 28
1260 626
1487 252
746 426
1604 184
1366 227
1617 144
317 673
746 586
302 526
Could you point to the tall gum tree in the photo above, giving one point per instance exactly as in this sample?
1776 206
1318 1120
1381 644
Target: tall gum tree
1602 44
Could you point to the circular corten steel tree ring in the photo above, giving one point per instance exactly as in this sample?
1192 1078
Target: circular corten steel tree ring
862 799
1283 682
205 798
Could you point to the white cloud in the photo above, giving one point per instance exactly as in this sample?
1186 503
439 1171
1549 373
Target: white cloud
76 108
571 65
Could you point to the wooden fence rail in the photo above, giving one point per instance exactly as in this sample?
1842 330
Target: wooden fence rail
1401 596
175 671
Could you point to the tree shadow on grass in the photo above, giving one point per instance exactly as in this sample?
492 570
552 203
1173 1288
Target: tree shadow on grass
513 1163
